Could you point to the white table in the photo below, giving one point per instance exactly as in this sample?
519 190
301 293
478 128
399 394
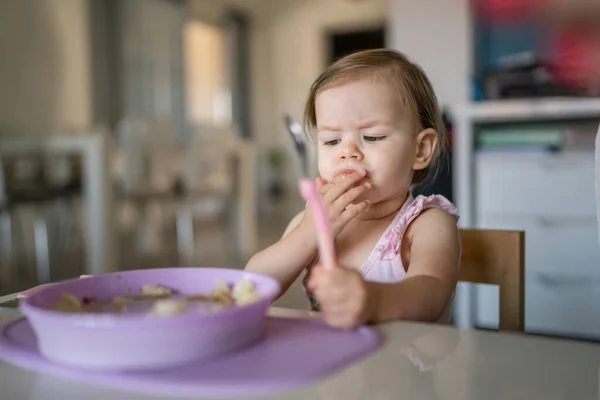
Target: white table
416 361
95 151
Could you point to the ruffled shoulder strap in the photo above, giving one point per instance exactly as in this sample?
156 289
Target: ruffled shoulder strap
389 247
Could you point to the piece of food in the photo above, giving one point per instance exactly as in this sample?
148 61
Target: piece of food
244 293
221 286
67 303
148 292
155 290
223 298
123 301
168 307
198 297
221 294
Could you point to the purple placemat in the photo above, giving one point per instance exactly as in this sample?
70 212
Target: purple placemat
294 352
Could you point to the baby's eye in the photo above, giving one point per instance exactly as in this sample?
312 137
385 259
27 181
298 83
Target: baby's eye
373 138
331 142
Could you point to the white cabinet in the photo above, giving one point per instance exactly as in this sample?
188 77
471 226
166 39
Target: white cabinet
553 243
551 197
542 183
563 303
555 303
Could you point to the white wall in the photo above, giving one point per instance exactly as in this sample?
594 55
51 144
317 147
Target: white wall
436 35
298 45
45 82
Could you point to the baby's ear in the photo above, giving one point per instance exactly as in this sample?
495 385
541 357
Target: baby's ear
427 141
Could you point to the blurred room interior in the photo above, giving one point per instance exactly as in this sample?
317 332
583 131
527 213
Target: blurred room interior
149 133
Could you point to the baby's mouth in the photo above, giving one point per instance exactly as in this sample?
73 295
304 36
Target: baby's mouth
349 171
345 172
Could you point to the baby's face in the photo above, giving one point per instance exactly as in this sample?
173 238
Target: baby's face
359 125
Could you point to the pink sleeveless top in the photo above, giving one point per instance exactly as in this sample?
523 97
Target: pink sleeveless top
384 264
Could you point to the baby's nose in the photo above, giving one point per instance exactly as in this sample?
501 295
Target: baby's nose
350 150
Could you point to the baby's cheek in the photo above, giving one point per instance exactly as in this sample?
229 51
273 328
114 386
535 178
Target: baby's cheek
325 172
390 182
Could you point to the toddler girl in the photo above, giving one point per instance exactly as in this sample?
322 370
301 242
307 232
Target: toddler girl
378 128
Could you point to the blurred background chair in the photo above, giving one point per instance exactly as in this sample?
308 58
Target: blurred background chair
208 179
40 219
177 197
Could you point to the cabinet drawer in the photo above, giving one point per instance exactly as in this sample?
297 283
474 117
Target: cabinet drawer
557 304
553 243
544 183
563 304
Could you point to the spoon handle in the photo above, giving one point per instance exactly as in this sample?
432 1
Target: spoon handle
309 192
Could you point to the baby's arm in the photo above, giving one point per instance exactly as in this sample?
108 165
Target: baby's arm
432 273
286 259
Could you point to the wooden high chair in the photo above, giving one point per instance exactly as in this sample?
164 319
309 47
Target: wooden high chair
497 257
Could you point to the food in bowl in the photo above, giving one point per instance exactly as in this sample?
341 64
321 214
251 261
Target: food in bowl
167 307
68 303
244 293
160 301
155 290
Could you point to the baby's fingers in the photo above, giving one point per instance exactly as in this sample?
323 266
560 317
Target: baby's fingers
347 198
353 211
342 184
314 278
323 186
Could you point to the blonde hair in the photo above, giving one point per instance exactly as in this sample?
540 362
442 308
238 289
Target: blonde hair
415 91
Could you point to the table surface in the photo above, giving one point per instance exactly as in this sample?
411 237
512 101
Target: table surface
415 361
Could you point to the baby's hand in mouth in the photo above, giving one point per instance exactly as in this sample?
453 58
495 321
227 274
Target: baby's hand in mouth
358 177
350 173
337 194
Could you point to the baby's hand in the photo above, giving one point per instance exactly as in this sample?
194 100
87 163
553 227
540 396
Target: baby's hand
345 298
337 195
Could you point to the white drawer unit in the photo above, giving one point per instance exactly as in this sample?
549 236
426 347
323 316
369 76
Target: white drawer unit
546 183
553 243
552 198
562 304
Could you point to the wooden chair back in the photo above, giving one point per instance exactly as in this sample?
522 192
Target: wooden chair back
497 257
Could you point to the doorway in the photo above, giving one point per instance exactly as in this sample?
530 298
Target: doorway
208 88
343 43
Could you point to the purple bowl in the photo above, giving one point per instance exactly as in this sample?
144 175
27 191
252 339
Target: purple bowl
138 341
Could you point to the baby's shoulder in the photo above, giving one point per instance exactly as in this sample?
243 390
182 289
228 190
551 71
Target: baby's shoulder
434 217
430 214
434 235
437 202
